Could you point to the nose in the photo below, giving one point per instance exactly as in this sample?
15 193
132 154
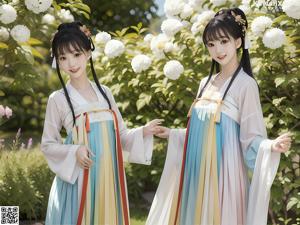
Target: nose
71 62
219 48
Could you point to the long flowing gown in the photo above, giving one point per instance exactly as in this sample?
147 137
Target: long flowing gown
205 178
97 195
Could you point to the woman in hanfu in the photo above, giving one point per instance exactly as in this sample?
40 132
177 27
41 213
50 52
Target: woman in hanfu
89 186
205 177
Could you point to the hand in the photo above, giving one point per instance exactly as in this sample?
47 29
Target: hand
83 159
163 132
282 143
151 127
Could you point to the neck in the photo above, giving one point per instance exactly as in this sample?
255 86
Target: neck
228 70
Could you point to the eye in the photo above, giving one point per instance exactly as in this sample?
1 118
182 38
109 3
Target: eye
224 41
62 58
209 44
77 54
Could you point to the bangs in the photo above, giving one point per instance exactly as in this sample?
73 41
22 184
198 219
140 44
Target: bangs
69 44
215 31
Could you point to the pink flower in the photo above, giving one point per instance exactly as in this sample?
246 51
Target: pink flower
8 112
29 144
2 111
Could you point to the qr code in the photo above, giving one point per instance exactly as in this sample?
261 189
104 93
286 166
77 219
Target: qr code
9 215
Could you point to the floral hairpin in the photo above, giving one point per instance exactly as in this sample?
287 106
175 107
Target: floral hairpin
86 31
239 20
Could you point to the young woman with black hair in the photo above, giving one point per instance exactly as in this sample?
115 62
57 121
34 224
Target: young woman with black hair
90 186
205 178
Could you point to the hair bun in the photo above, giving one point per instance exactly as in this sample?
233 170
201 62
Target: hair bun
68 26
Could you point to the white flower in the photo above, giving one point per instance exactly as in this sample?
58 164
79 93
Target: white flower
4 34
65 15
20 33
140 63
218 2
8 14
205 16
260 24
171 26
173 69
202 20
169 47
245 8
158 43
38 6
196 4
186 12
114 48
102 37
173 7
291 8
96 53
148 38
48 19
274 38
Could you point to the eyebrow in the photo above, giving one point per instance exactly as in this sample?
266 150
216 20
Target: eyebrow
72 52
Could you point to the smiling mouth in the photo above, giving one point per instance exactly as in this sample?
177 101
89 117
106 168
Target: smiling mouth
221 57
74 70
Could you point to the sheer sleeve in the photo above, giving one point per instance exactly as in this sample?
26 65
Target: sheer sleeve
61 157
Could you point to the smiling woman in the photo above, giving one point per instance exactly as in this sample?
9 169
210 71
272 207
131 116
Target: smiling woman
205 178
89 186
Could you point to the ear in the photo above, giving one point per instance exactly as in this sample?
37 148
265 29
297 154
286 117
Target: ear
238 43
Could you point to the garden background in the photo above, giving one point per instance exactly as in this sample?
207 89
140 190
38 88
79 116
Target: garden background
153 63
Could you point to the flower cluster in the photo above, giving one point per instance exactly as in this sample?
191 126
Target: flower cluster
8 14
260 24
20 33
140 63
38 6
5 111
292 8
114 48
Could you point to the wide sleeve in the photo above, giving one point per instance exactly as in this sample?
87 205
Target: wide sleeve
138 148
163 202
257 154
61 158
252 128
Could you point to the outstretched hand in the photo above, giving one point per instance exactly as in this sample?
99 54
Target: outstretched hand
282 143
151 127
162 132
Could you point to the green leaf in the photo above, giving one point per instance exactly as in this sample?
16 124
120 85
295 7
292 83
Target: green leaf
36 53
3 45
291 203
82 6
279 81
34 41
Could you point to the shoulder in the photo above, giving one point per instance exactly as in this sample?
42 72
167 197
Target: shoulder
244 81
57 97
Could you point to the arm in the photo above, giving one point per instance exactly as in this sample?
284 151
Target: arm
61 158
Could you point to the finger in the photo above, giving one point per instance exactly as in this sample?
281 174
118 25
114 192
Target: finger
156 121
90 151
288 134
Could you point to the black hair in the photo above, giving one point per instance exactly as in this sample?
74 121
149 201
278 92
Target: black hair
228 22
70 35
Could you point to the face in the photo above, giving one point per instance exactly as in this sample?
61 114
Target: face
74 63
224 49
